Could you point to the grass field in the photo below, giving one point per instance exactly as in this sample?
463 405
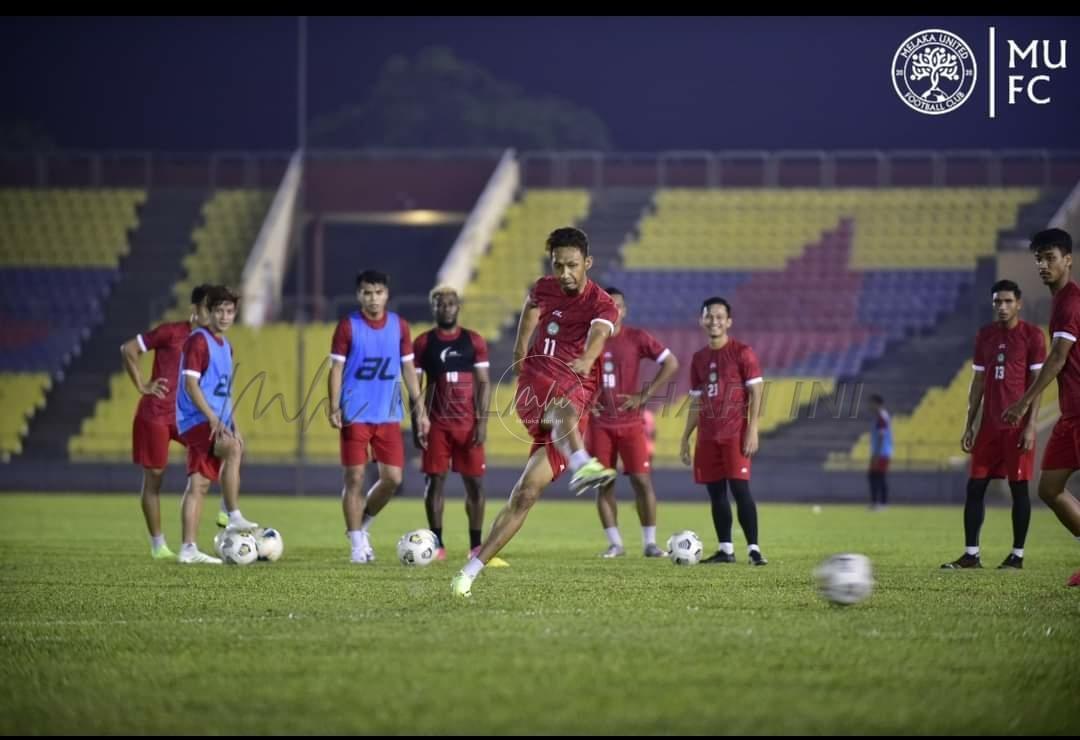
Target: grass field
97 638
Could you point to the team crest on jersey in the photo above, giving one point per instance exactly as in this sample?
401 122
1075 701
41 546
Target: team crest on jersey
712 377
609 367
1001 357
553 328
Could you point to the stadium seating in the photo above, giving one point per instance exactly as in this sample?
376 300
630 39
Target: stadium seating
231 221
20 395
66 228
516 256
761 229
59 251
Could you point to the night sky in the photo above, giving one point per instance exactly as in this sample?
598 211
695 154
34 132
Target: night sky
200 84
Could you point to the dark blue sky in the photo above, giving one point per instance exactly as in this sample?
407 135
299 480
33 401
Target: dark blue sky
679 83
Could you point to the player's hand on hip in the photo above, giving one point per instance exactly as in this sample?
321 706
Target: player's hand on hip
633 402
158 387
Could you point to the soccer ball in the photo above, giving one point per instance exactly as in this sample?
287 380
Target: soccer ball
417 548
239 548
270 545
219 540
845 579
685 548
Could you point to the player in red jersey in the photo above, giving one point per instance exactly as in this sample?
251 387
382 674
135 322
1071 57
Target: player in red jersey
617 427
559 379
1053 257
1008 354
155 417
457 396
725 389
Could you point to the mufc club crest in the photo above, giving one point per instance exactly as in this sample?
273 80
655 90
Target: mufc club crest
552 329
934 71
712 377
609 367
1001 357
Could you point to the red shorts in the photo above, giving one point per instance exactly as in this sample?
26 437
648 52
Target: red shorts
531 404
451 448
716 460
200 452
385 441
879 464
627 442
996 454
1063 448
150 441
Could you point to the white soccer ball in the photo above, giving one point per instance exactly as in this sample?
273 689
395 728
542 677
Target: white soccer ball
685 548
845 579
219 539
417 548
270 545
239 548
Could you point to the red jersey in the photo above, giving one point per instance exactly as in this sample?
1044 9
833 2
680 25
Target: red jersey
1006 357
167 342
1065 323
563 327
719 379
619 374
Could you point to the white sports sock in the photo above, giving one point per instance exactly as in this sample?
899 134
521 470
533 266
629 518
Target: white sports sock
157 541
1018 552
971 551
223 507
578 459
356 538
236 518
727 547
753 548
613 536
473 567
188 548
366 522
648 535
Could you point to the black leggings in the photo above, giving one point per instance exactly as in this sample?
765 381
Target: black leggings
744 504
